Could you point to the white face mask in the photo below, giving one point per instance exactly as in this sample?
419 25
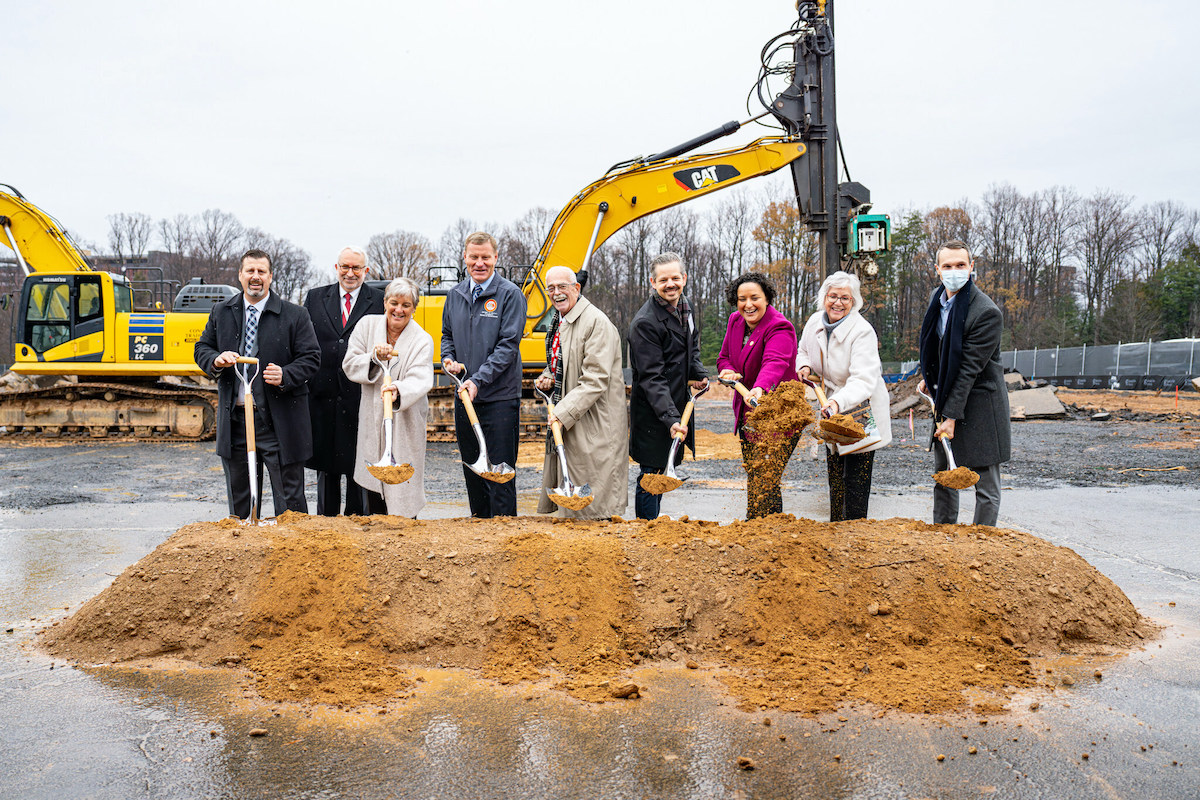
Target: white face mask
955 279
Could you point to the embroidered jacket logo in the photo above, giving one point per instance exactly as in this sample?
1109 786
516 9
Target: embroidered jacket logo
703 177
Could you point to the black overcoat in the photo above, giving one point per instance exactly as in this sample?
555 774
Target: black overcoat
665 358
286 338
978 400
333 398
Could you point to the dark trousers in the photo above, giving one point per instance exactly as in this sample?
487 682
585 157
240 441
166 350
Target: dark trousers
500 421
329 495
849 484
764 475
287 480
646 505
987 494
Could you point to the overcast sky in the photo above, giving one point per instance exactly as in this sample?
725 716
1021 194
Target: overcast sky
325 123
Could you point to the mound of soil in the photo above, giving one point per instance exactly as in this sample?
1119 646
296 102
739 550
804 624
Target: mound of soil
789 613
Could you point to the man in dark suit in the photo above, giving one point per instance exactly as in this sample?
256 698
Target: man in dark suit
960 369
664 351
259 323
333 398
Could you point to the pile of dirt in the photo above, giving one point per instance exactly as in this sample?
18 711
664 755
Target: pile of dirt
789 613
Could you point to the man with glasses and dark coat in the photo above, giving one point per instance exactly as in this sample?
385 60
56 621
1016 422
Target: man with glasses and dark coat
333 398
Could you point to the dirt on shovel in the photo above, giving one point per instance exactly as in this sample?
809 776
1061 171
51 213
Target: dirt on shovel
957 478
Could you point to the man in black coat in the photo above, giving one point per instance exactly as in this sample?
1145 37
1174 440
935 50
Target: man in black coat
333 398
664 351
259 323
960 369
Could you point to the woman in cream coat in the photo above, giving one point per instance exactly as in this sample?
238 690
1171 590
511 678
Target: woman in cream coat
367 356
840 347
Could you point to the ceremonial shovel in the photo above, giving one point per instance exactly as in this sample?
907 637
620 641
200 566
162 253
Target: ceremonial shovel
669 481
242 368
386 470
828 430
483 467
566 494
969 481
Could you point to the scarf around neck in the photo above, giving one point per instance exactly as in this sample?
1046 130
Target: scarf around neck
941 357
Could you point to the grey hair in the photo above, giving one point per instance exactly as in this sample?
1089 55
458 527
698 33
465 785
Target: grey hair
353 248
838 280
666 258
401 287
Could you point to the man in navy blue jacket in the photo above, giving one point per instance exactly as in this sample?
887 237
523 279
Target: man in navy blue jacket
482 324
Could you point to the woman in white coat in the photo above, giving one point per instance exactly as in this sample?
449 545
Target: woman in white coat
368 356
839 347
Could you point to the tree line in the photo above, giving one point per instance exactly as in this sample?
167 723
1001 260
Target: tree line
1065 268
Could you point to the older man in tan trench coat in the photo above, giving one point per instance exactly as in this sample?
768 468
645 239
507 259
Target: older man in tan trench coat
583 349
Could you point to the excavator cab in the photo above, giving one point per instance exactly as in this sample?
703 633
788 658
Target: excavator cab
57 310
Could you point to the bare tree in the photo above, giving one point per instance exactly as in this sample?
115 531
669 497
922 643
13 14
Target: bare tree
1163 230
217 237
128 235
521 241
1106 235
450 246
401 254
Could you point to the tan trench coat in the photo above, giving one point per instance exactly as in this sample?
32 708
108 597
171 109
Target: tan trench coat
412 373
592 412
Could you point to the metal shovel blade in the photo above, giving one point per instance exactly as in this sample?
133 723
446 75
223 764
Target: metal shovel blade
566 494
827 429
482 466
386 470
669 480
956 477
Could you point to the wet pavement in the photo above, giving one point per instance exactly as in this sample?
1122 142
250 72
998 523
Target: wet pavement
73 517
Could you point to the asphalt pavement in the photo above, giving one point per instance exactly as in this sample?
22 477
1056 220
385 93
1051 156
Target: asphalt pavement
72 517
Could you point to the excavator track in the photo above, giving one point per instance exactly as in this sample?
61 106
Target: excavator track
94 411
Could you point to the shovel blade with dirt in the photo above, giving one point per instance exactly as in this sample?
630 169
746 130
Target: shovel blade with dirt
838 429
566 494
669 481
956 477
386 470
482 466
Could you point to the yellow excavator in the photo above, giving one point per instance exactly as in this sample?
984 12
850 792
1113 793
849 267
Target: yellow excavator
805 113
72 320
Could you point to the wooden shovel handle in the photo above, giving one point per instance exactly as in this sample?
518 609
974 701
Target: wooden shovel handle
465 396
250 422
247 360
744 392
556 430
683 420
820 394
387 398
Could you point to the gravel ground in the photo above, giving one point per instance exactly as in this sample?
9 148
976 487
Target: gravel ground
1076 452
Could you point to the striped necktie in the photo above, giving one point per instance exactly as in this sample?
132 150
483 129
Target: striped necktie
251 340
346 310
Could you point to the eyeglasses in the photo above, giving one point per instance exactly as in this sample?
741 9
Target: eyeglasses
834 298
558 287
348 268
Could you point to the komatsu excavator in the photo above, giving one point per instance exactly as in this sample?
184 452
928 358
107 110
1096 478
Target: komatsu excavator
72 320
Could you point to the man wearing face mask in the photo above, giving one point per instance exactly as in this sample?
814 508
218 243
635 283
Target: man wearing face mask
583 377
960 369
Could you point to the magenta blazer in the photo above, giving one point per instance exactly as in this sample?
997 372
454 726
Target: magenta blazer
767 360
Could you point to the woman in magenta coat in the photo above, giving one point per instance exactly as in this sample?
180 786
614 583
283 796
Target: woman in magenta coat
760 351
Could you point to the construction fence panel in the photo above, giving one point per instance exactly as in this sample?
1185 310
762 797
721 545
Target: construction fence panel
1128 365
